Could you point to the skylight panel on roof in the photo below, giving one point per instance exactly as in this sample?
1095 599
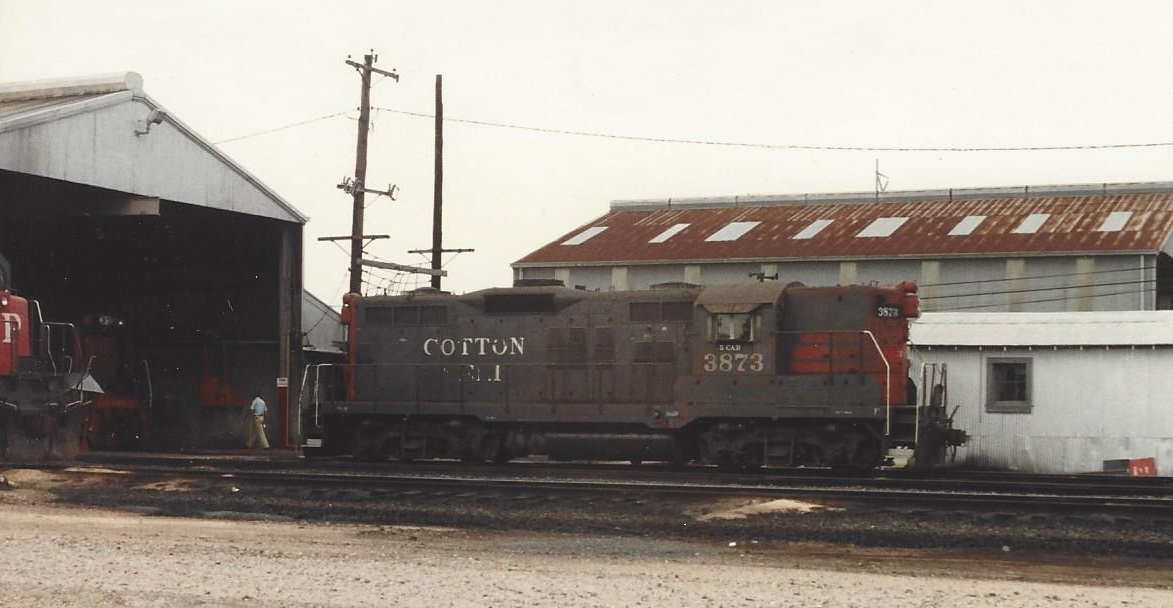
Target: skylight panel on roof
584 236
1032 223
732 231
669 233
882 227
1115 221
967 225
813 229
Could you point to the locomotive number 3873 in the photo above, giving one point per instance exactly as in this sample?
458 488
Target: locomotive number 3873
733 362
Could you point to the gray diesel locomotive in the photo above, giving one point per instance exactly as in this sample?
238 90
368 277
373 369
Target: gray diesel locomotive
734 375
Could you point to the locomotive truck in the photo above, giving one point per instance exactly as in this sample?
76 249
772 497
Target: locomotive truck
44 381
738 376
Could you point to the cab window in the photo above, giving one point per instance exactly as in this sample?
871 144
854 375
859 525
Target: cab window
733 327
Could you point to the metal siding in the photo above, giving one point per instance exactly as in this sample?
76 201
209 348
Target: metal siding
1050 283
1137 328
813 274
729 273
619 280
596 277
533 273
886 272
848 271
930 278
1088 406
92 141
976 285
643 277
321 325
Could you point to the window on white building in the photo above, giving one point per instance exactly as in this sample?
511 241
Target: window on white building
1009 386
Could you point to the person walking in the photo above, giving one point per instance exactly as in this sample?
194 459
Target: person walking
256 422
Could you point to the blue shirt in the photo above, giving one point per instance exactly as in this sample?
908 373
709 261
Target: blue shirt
258 407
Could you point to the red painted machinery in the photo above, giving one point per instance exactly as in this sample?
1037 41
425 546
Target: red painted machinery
120 417
45 386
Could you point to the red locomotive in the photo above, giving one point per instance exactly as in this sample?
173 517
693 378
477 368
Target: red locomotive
120 417
733 375
44 381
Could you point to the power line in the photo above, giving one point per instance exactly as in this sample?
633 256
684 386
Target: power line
776 146
281 128
703 142
1035 277
1037 289
1038 301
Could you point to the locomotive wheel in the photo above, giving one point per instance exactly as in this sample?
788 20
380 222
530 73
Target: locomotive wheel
682 450
470 455
492 450
863 452
471 449
369 444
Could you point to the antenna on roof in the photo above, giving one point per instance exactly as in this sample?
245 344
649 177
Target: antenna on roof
881 181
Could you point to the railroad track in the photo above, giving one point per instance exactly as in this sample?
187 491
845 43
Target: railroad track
899 490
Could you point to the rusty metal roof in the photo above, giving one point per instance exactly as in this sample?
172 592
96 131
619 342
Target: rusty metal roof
1099 219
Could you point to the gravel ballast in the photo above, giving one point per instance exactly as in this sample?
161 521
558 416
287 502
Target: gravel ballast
256 555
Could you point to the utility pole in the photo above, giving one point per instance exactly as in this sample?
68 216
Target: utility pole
438 195
357 187
438 185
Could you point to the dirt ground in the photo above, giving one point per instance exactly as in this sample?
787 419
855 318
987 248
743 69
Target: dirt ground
75 556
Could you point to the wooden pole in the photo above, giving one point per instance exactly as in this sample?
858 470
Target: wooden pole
360 176
438 188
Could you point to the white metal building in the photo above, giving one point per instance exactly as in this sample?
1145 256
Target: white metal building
1056 392
111 205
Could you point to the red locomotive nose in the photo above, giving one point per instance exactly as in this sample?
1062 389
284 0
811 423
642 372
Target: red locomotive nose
910 306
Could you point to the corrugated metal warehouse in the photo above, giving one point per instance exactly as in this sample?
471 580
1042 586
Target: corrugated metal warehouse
113 212
1056 393
1090 385
1036 249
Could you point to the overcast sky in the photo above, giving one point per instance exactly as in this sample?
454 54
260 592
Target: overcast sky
767 75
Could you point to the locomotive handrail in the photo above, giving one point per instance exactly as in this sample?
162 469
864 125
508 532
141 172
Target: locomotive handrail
305 375
921 399
150 386
66 330
887 383
12 329
317 402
